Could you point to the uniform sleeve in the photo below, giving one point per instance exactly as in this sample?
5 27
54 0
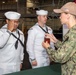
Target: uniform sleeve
30 43
4 38
64 52
22 50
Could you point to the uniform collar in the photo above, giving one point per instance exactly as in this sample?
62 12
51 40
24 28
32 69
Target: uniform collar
42 27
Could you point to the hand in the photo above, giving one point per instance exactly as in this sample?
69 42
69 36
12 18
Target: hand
45 44
20 66
10 25
34 63
52 38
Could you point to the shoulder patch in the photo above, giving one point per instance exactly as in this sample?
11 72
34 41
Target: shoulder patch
49 29
21 33
31 29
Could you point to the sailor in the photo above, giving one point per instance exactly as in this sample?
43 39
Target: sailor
11 44
37 54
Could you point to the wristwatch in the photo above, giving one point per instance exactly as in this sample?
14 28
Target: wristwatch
48 48
33 59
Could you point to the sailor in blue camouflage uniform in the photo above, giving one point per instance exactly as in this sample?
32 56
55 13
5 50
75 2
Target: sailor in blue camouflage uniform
66 50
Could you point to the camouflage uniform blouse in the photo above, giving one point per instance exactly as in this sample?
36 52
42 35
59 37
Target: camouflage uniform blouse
66 52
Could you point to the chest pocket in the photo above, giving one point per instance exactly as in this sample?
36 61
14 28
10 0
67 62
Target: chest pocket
74 57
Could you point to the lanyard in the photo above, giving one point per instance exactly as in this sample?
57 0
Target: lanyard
46 31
